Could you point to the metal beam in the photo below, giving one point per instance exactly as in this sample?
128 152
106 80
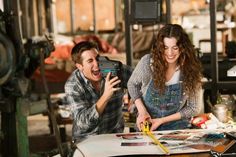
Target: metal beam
128 34
214 54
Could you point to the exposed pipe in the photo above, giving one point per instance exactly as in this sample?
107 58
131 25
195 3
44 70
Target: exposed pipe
72 17
168 11
24 5
94 18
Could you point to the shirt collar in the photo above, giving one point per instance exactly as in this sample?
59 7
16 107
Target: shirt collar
83 77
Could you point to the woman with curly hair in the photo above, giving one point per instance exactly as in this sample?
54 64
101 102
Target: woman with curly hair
165 85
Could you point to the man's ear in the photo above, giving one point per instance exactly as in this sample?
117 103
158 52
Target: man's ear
79 66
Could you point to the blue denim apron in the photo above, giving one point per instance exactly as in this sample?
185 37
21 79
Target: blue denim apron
163 105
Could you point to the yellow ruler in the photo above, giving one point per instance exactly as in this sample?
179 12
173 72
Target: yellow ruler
146 131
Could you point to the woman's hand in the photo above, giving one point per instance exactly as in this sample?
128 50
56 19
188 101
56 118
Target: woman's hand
156 123
142 117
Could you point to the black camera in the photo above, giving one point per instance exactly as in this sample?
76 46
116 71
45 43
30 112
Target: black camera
107 65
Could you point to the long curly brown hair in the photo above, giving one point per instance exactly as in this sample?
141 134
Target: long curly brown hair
190 66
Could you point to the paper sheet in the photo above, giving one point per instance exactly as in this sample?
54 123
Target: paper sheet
177 141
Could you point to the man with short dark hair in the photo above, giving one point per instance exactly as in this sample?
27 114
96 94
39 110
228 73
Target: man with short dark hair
96 102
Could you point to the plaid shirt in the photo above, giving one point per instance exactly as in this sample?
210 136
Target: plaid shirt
82 99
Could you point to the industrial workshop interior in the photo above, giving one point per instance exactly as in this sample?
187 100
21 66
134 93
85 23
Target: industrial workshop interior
36 39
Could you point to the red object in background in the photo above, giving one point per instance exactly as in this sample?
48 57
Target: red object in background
54 75
199 120
103 45
62 52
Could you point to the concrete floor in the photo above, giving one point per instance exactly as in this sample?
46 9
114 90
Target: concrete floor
40 137
39 124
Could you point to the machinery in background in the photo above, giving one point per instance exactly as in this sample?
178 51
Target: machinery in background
21 53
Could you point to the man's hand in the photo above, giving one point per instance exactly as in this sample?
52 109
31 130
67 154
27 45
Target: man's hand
109 90
110 85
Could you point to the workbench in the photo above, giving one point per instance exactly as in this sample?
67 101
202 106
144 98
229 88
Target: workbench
180 143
